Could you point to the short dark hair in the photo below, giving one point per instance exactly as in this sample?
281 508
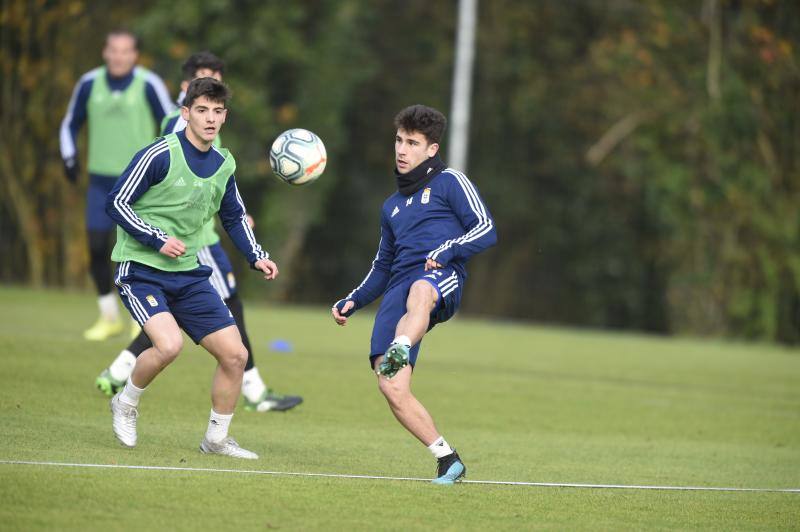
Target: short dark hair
214 90
199 61
423 119
116 32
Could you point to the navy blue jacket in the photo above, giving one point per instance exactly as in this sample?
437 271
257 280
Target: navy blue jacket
445 221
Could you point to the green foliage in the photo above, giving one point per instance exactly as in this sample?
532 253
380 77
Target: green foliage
640 158
42 51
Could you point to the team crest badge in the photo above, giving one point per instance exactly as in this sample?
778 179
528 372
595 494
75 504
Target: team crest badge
150 299
426 195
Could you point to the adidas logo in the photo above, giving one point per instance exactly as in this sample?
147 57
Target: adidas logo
180 182
395 211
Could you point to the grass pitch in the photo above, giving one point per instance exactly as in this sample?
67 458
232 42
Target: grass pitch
521 403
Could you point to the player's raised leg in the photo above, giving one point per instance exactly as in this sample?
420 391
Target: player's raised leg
422 299
227 347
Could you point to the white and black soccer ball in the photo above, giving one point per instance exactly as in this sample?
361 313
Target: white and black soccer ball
298 157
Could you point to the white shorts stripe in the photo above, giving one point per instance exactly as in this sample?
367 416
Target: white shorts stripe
449 279
449 284
217 279
136 306
447 292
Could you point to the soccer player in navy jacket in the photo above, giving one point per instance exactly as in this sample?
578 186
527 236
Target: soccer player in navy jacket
430 228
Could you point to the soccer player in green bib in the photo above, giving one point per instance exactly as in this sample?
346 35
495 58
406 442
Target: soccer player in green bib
161 203
256 395
123 104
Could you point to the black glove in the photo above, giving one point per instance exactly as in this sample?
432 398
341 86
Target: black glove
72 169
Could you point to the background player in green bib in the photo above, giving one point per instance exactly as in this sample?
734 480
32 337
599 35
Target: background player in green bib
255 393
123 104
161 203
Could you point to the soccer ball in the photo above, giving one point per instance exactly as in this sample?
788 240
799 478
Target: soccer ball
297 157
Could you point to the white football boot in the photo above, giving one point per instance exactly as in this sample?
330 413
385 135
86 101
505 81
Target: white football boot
227 447
123 421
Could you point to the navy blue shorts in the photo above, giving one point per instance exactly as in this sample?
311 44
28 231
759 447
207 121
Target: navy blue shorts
447 283
188 296
96 194
222 278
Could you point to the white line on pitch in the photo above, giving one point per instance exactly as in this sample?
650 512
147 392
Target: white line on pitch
371 477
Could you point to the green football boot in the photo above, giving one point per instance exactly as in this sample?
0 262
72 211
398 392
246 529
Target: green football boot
395 359
107 384
272 401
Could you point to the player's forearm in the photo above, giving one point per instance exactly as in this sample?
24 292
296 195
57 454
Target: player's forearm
233 214
244 239
372 287
480 238
123 215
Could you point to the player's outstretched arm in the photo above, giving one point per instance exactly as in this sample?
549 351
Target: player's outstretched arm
234 218
374 283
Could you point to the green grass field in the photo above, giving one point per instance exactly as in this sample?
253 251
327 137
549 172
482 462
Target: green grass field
521 403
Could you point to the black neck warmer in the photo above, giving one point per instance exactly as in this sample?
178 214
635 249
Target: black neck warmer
417 178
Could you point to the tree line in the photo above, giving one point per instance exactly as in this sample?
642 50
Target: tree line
640 158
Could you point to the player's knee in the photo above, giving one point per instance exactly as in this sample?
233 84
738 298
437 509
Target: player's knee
393 390
241 357
422 293
169 347
236 358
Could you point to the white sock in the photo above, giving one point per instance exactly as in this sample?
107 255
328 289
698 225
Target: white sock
440 448
131 393
122 367
218 426
402 339
252 385
108 306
